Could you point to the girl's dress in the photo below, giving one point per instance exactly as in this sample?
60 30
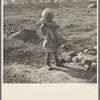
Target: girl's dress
52 39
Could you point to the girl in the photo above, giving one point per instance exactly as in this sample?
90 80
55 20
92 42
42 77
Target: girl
51 38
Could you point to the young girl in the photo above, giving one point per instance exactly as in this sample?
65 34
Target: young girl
51 38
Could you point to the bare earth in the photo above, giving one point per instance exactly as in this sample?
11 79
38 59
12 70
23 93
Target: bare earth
25 62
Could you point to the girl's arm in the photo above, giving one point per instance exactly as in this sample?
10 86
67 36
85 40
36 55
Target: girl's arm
42 29
42 21
52 25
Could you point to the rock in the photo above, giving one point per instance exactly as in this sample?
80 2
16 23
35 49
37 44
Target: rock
90 52
95 47
93 52
87 67
69 59
12 75
86 60
80 55
76 60
72 54
62 60
94 58
94 64
85 51
88 57
92 6
94 67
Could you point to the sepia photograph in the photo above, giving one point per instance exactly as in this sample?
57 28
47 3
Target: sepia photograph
50 41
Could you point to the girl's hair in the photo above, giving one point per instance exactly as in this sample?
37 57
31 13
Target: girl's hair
47 13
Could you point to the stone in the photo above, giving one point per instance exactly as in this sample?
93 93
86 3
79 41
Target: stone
12 75
62 60
94 64
93 52
94 67
92 6
90 52
86 60
68 59
94 58
87 67
80 55
95 47
76 60
85 51
73 54
88 57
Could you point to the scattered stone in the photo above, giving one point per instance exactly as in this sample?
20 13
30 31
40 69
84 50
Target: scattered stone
86 60
72 54
88 57
95 47
90 52
13 31
94 58
87 67
62 60
94 67
85 51
94 64
12 75
93 52
80 55
76 60
92 6
69 59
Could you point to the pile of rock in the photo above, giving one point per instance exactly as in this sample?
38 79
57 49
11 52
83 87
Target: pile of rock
87 58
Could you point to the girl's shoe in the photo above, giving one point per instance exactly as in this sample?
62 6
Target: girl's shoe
49 67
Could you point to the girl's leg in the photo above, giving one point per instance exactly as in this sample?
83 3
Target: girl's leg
56 59
48 55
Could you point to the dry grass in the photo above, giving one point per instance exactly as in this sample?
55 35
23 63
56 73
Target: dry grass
77 22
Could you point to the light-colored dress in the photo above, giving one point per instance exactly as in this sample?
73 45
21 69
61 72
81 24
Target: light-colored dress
52 40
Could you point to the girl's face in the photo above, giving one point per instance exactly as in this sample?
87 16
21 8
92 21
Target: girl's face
49 17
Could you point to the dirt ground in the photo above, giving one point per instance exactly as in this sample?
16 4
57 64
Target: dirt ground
25 62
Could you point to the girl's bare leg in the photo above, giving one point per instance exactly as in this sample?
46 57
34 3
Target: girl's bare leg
56 58
48 55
